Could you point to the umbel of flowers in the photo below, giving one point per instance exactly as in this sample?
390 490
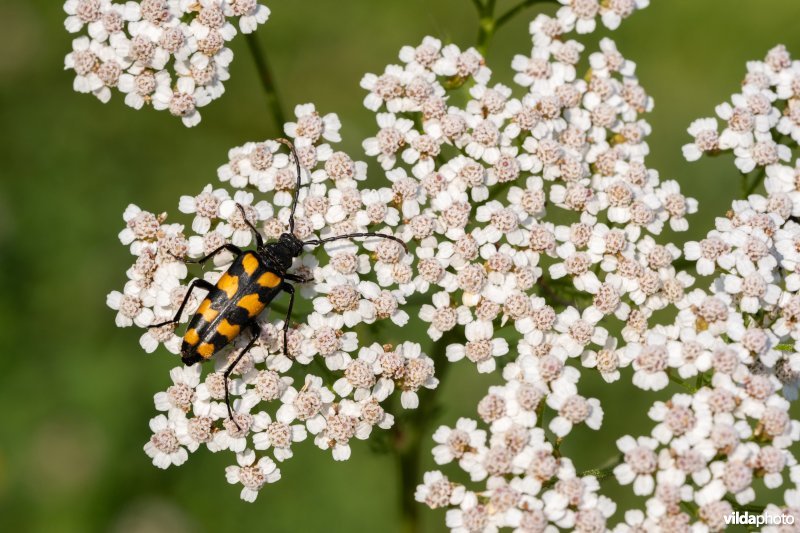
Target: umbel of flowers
171 54
332 384
732 346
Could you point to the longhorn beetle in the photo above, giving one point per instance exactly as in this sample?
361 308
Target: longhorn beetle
249 285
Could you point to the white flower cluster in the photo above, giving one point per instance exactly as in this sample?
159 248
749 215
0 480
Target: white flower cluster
707 454
741 336
578 146
758 120
738 342
529 485
476 186
171 54
277 399
581 15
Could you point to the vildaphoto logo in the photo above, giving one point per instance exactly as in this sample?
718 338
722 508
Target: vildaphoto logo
746 518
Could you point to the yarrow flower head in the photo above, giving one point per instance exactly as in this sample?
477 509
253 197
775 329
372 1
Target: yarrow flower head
577 145
738 336
168 54
326 383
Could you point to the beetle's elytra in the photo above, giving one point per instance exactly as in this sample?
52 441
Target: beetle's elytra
238 297
249 285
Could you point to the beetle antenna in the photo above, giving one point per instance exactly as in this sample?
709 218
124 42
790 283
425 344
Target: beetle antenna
317 242
259 240
297 187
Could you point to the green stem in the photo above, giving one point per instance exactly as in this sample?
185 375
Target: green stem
325 371
750 508
486 26
546 291
514 11
501 188
267 82
747 191
605 470
599 473
408 459
677 380
690 508
410 431
540 414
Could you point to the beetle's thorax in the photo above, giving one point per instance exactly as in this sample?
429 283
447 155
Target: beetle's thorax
282 252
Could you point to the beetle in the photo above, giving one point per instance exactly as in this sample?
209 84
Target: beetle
251 283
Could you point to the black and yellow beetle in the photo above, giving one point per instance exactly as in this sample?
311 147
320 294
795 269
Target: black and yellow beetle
252 281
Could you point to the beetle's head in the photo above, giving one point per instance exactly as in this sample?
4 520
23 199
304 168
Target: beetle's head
291 243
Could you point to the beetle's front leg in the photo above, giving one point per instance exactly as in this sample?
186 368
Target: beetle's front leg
256 234
297 279
235 250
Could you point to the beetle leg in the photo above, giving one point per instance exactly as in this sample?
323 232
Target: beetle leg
256 334
288 287
235 250
203 284
297 279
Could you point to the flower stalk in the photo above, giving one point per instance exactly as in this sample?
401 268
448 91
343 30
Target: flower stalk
267 83
410 436
514 11
605 471
486 24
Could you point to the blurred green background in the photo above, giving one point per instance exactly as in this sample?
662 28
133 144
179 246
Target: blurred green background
77 391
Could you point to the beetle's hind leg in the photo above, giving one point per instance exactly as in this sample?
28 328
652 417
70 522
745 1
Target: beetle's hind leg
256 334
203 284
